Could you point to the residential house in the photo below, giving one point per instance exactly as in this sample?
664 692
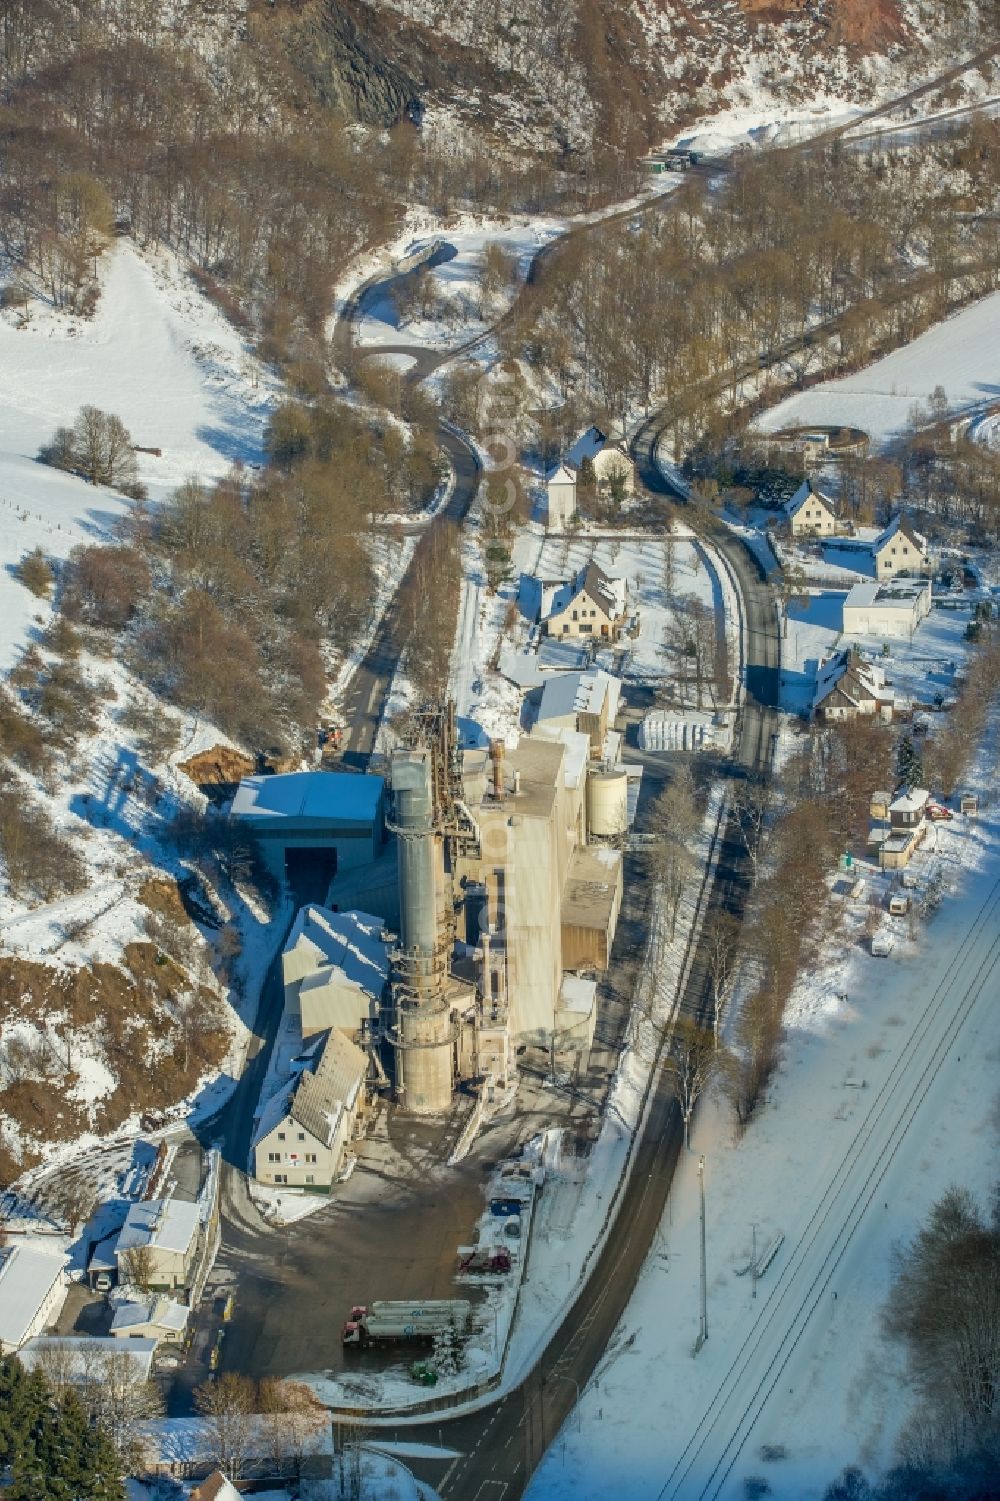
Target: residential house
560 497
810 513
590 604
906 815
891 609
614 471
847 687
168 1230
899 549
336 971
32 1291
305 1130
614 475
157 1318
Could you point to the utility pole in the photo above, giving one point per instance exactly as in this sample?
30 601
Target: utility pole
703 1328
753 1263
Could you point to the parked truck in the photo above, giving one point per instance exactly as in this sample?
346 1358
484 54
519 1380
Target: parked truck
400 1323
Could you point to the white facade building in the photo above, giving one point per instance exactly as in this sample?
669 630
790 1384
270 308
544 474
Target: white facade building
560 497
809 513
899 549
32 1291
890 609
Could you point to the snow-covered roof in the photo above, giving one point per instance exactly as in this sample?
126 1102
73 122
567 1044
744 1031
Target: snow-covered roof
577 749
215 1488
893 594
913 800
577 994
28 1273
806 492
348 941
561 473
568 694
610 594
330 796
899 526
160 1313
191 1441
318 1099
163 1224
80 1355
853 681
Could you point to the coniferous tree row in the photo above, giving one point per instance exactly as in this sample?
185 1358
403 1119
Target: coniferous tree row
48 1449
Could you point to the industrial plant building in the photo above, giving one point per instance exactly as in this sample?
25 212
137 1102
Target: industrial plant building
311 824
509 886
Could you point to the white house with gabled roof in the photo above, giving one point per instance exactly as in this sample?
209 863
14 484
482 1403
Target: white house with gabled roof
810 513
899 549
305 1129
590 604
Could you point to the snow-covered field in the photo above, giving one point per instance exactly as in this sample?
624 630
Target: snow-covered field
887 1095
158 354
959 354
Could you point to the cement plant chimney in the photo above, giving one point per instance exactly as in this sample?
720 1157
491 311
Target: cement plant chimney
421 1030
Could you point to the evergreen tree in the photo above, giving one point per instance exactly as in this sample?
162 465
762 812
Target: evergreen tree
49 1449
909 762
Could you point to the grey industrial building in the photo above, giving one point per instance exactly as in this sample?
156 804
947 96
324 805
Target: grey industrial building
508 883
312 824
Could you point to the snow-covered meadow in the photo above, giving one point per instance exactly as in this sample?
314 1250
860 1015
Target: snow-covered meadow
159 355
959 354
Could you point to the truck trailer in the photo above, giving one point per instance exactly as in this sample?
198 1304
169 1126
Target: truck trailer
400 1323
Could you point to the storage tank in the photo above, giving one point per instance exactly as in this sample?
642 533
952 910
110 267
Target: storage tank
607 803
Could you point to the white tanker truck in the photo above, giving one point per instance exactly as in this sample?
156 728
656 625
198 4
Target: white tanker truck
400 1323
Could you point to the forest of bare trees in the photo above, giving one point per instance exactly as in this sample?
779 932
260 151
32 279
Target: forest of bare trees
825 258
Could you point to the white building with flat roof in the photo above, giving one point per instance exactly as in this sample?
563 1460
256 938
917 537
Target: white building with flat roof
893 608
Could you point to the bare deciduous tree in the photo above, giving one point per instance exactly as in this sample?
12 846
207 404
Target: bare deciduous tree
137 1266
690 1064
721 939
751 806
228 1405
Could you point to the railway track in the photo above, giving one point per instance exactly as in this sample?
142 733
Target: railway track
705 1463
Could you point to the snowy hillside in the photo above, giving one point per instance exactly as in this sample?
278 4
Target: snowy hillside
157 354
97 1026
959 355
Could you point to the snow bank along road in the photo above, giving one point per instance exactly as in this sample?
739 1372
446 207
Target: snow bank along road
703 1468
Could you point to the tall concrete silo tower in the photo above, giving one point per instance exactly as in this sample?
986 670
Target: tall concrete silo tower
421 1027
